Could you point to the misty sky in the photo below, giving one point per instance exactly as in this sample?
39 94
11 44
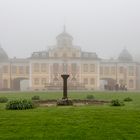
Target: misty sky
101 26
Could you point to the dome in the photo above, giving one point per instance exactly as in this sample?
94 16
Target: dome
3 55
125 56
64 39
64 34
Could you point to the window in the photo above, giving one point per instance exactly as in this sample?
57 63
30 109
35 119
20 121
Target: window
113 70
85 67
64 55
5 83
73 67
5 69
36 67
121 81
36 81
86 81
27 69
55 67
106 70
64 42
14 69
131 71
85 54
73 55
43 67
101 70
44 54
131 83
65 68
35 54
21 69
92 67
121 70
55 55
43 81
92 81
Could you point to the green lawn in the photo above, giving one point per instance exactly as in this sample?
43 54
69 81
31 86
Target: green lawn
96 122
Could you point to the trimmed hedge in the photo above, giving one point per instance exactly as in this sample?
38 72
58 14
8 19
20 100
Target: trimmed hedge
128 99
20 104
3 99
117 102
90 97
36 97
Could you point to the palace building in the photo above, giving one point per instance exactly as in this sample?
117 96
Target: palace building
42 71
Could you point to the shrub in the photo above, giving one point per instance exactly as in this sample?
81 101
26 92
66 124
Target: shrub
36 97
117 102
20 104
90 97
3 99
128 99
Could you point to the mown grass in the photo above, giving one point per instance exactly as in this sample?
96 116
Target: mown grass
97 122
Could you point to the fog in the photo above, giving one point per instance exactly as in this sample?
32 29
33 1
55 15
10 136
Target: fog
101 26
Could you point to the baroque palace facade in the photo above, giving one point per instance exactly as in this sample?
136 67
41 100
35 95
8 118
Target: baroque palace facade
42 71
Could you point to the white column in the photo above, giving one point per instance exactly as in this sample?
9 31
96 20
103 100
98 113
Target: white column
30 75
80 73
49 72
98 75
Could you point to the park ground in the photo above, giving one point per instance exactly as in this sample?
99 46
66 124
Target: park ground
89 122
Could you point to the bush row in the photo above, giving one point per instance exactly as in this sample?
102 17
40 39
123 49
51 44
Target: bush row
117 102
90 97
128 99
28 104
3 99
20 104
36 97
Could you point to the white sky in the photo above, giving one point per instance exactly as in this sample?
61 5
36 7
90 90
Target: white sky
101 26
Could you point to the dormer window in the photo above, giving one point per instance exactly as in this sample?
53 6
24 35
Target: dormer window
35 54
73 55
86 55
43 54
55 55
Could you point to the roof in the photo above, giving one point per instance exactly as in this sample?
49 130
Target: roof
41 54
19 60
125 56
3 55
64 34
89 55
